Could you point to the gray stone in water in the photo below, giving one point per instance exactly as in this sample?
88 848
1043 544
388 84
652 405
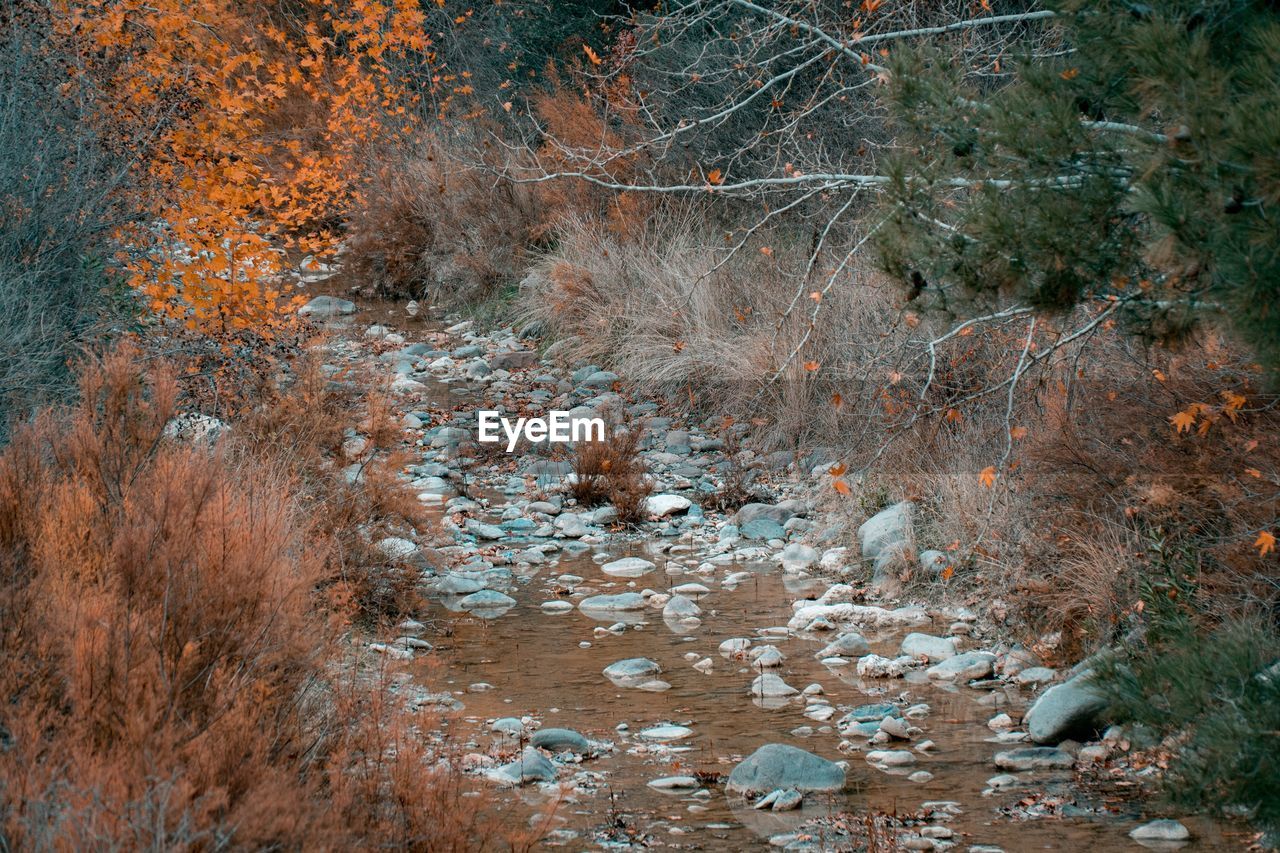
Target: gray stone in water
927 646
1034 758
846 645
454 584
885 528
571 525
486 599
872 713
675 783
481 530
777 765
621 601
770 686
627 567
1161 830
1065 709
631 669
328 306
560 740
666 732
531 766
963 667
679 607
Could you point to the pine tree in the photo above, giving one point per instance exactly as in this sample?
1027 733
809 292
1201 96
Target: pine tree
1131 152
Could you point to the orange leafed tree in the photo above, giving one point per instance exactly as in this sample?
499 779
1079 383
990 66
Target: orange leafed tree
249 120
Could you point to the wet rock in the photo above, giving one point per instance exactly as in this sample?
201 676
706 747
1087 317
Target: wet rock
679 607
872 713
935 649
690 590
327 306
486 599
675 783
887 528
481 530
735 647
556 741
767 657
1161 830
608 603
780 766
1034 758
628 567
771 686
631 670
456 584
666 733
556 607
531 766
571 525
1065 709
890 757
874 666
846 645
963 667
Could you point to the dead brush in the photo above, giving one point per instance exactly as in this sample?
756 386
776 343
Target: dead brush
613 471
169 677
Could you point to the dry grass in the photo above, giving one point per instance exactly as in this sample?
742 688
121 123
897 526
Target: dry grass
653 304
613 471
166 682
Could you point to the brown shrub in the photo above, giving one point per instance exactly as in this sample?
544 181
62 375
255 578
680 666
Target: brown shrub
613 471
165 681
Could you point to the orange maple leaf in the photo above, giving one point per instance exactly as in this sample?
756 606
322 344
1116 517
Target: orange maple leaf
1265 543
987 476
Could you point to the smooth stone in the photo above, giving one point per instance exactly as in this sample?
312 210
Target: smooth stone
560 740
762 529
935 649
891 757
631 669
963 667
679 607
734 647
486 599
665 505
796 557
328 306
780 766
1064 709
771 686
885 529
555 607
666 732
675 783
628 567
1034 758
846 645
621 601
1161 830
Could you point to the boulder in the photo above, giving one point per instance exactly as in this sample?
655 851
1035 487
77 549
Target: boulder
886 528
627 567
1035 758
963 667
327 306
560 740
777 765
664 505
1065 709
935 649
1161 830
531 766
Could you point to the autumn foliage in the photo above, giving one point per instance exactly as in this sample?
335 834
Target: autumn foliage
169 675
247 121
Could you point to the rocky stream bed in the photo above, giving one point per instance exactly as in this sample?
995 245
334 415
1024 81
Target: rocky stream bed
707 680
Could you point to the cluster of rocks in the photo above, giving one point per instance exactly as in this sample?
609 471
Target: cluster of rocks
505 521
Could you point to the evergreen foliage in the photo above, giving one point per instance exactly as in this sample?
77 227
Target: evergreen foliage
1131 151
1217 692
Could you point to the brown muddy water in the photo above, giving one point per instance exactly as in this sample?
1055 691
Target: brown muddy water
550 667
